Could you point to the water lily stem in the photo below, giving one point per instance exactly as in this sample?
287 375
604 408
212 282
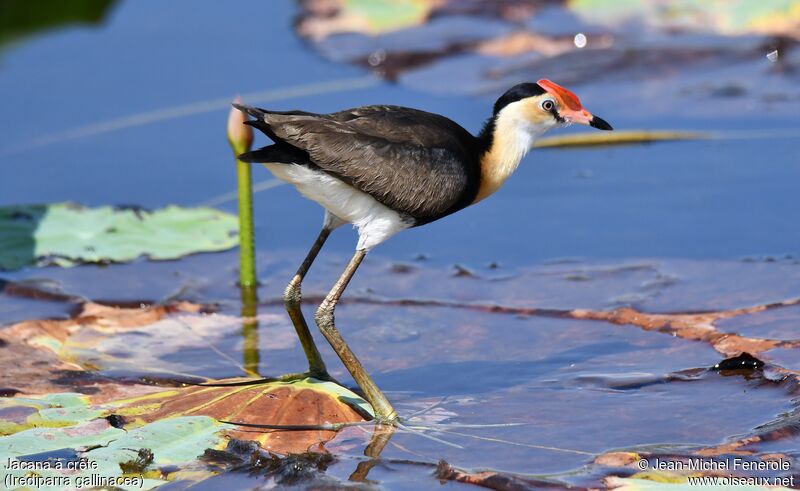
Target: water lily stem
240 138
250 351
247 252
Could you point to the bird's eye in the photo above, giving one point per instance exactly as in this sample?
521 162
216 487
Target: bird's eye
548 105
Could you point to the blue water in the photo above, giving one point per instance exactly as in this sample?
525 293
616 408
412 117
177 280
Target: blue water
646 220
704 199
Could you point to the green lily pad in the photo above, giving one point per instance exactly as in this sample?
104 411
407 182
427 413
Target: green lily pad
66 234
49 411
145 441
732 18
105 449
370 17
301 402
383 16
19 20
173 441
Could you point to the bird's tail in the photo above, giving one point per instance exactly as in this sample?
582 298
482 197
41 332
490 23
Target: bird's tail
273 154
259 123
281 151
257 156
251 110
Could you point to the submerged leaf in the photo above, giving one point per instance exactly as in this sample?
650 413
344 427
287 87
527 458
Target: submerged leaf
175 341
48 346
67 234
618 138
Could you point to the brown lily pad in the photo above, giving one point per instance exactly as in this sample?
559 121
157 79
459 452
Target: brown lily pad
179 341
283 417
31 361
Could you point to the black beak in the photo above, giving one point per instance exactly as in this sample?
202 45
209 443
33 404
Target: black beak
599 123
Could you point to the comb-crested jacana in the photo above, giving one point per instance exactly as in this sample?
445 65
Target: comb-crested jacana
388 168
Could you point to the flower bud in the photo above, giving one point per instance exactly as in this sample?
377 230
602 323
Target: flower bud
240 135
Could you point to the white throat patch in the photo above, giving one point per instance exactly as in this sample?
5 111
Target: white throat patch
515 132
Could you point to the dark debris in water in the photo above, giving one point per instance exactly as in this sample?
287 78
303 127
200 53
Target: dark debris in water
495 480
460 271
289 470
744 361
400 268
144 459
116 421
35 290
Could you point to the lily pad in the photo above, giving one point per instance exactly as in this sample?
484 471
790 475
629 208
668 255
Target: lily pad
373 17
19 20
171 341
107 451
730 18
174 427
483 48
67 234
263 408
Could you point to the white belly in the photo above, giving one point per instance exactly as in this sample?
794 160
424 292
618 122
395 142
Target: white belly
375 221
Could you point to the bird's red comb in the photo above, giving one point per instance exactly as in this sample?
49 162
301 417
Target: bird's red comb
566 97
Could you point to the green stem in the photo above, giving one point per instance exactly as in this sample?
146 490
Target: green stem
250 330
247 253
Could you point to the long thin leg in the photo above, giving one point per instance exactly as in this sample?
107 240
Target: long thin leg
291 299
381 435
383 410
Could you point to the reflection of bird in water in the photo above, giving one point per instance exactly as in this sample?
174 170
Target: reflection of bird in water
387 168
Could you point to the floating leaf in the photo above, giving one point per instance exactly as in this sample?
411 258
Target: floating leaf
88 341
483 48
35 359
617 459
262 408
108 449
282 416
158 341
366 16
502 355
171 441
19 20
67 234
726 17
40 440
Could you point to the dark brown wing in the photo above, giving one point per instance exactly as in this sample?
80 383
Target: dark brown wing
414 162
